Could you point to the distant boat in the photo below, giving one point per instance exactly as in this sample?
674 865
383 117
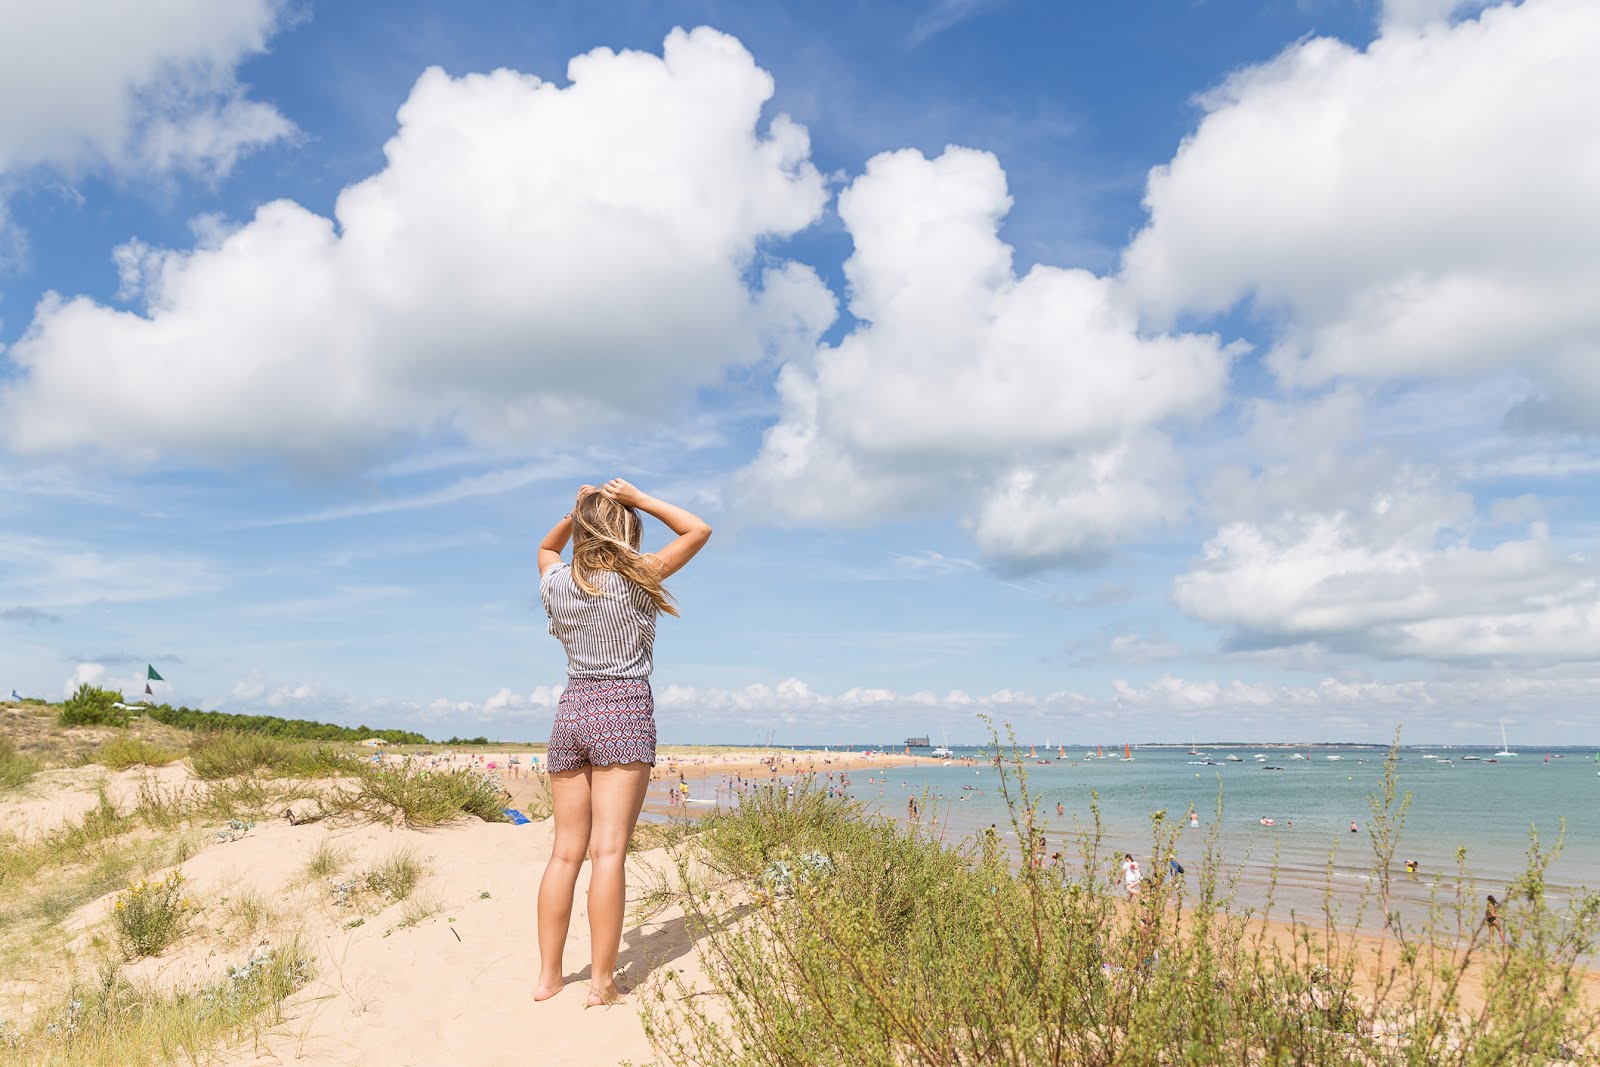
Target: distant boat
1471 759
1505 748
1296 755
1334 756
1235 758
1127 751
942 752
1193 748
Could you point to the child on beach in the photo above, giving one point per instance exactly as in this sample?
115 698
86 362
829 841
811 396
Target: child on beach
603 608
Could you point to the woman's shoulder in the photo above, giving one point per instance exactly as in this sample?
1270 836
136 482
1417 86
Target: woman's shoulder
555 568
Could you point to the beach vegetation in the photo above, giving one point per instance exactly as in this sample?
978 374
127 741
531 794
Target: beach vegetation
149 916
272 726
327 859
231 753
121 752
422 797
248 914
832 936
418 909
90 705
396 875
16 768
106 1020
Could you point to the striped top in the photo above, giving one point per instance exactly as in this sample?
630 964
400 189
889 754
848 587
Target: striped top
606 636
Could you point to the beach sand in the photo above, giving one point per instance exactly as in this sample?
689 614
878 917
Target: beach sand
454 987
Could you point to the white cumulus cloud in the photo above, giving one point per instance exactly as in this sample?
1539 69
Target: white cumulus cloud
532 259
133 86
1021 398
1421 208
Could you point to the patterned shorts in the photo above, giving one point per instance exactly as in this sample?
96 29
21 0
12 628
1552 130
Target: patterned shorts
603 721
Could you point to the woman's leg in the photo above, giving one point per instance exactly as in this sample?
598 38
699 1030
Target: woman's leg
617 794
569 799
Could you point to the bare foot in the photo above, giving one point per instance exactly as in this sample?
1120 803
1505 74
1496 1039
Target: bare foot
546 990
599 998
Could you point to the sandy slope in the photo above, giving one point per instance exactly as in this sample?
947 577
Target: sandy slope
453 989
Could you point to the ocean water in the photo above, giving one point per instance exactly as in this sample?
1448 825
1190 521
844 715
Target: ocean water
1488 808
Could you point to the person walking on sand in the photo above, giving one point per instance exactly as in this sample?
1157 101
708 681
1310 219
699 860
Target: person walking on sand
603 607
1491 919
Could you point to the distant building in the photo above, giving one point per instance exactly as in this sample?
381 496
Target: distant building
917 742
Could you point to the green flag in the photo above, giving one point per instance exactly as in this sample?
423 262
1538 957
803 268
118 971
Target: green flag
154 677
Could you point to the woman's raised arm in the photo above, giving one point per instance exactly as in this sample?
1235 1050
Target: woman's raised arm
693 532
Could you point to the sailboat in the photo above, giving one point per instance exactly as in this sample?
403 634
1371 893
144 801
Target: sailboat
1505 747
1127 752
1194 750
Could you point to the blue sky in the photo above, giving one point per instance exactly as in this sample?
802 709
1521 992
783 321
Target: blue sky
1227 372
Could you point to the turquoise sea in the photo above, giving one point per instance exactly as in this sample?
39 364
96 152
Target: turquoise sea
1488 807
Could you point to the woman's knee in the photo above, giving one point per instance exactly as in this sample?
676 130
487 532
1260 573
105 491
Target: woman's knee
608 852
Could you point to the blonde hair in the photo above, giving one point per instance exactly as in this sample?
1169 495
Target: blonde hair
605 537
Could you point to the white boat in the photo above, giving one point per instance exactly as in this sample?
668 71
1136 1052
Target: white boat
1296 755
1471 759
1233 758
1335 756
942 753
1505 749
1260 757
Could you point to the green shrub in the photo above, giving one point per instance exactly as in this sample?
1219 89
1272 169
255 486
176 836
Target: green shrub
423 797
16 769
149 916
326 859
121 752
92 706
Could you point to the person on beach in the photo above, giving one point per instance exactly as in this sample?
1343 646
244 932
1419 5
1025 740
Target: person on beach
1131 877
1491 919
603 608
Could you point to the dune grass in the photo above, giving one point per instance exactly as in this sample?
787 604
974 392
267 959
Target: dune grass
396 876
112 1022
421 797
229 754
832 937
16 769
327 859
121 752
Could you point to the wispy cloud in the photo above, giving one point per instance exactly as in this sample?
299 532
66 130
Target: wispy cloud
944 14
59 574
494 483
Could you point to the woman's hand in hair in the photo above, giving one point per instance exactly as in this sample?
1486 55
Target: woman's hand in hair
623 492
585 490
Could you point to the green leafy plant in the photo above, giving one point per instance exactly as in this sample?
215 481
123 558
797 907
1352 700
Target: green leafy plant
149 916
92 706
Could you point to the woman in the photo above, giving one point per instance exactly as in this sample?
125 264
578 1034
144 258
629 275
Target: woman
1491 919
603 607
